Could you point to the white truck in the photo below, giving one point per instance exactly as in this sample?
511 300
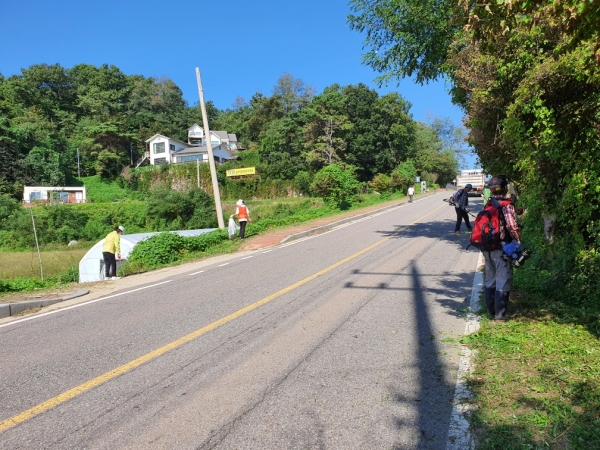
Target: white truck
475 177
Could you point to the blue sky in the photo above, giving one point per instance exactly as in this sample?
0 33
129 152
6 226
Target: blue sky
241 47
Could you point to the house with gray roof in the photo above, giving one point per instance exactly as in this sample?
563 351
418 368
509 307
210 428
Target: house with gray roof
165 150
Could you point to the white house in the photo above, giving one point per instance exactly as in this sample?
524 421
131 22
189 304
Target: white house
54 194
163 149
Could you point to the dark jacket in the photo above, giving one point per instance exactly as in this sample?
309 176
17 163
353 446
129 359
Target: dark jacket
461 199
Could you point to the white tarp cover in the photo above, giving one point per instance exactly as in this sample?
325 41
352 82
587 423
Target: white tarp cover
91 266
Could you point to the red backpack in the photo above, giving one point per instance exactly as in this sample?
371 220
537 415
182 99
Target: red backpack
489 226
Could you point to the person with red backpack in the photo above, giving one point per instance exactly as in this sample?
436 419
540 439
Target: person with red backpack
494 227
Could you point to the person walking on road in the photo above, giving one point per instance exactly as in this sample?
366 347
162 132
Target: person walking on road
411 193
461 202
112 247
242 212
499 269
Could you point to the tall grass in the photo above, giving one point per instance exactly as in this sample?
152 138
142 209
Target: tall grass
27 264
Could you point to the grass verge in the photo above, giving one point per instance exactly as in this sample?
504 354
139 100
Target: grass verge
537 378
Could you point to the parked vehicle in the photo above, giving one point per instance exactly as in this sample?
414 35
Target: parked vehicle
475 177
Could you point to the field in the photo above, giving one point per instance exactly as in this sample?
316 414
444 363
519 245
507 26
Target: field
27 264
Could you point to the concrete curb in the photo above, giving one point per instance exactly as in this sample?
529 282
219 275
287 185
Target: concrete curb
293 237
459 434
10 309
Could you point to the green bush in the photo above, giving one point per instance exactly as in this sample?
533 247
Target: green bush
205 241
8 208
336 185
167 248
403 176
168 209
382 183
302 182
161 249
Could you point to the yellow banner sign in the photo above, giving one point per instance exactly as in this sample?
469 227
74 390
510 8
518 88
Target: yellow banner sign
242 171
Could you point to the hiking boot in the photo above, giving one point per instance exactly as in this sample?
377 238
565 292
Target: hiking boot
490 298
114 278
501 304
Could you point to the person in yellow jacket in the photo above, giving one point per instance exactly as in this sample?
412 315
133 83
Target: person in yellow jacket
112 247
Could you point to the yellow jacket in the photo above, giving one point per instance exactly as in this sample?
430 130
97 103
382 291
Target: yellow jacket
112 243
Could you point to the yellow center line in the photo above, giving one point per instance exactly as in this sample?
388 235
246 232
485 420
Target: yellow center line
82 388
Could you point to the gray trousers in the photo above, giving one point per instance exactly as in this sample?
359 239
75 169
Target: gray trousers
498 272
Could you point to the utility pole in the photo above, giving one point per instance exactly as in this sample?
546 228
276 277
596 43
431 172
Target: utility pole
211 159
78 169
198 171
131 153
36 242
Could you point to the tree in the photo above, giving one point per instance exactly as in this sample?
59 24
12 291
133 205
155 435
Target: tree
44 167
292 92
397 131
325 127
406 37
364 139
264 110
452 137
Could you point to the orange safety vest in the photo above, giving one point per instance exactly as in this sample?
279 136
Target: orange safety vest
243 213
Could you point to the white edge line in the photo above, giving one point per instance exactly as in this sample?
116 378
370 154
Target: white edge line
459 434
195 273
268 251
25 319
221 265
248 257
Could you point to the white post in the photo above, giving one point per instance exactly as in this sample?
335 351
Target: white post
36 242
211 159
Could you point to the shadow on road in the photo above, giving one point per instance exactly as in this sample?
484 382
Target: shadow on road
433 396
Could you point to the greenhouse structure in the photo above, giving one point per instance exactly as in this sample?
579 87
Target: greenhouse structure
91 266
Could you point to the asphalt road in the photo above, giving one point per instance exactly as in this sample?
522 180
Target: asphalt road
344 340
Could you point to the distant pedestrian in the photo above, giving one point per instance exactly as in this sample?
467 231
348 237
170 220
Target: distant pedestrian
112 247
411 193
487 194
242 212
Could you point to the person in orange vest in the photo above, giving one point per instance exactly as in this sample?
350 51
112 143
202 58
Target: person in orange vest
242 212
